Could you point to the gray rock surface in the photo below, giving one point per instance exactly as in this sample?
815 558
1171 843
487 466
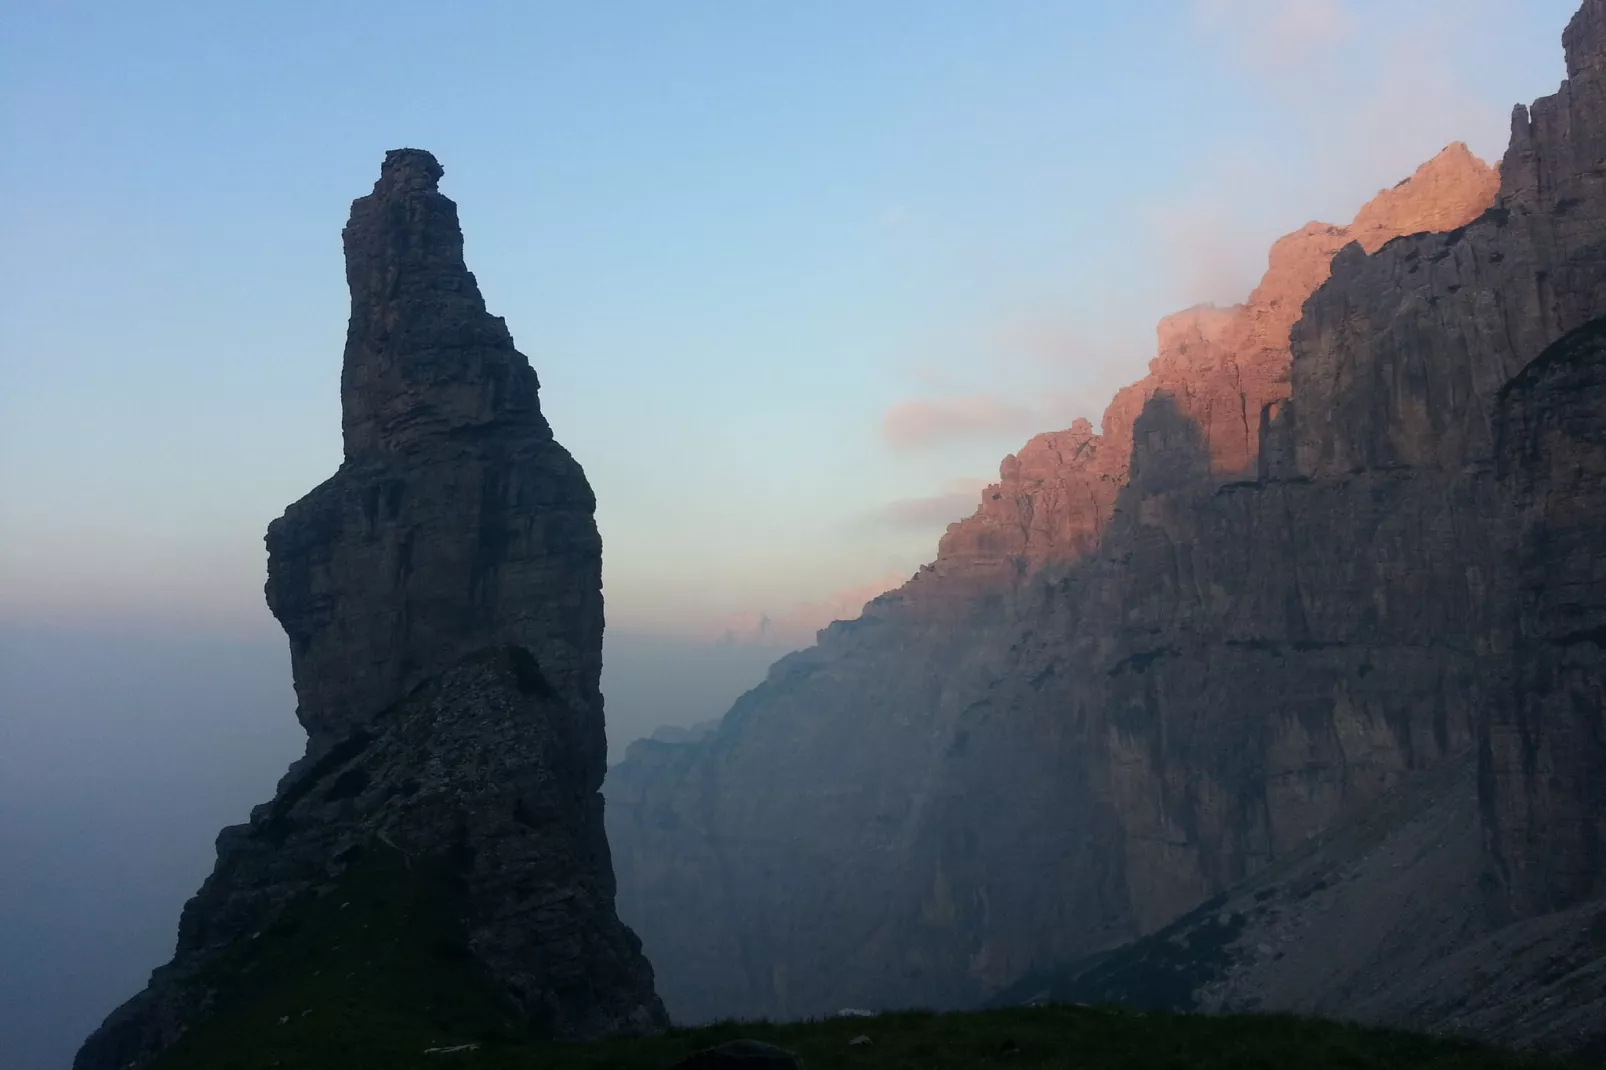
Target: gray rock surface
1382 921
442 597
1159 660
455 519
962 778
1478 355
1545 788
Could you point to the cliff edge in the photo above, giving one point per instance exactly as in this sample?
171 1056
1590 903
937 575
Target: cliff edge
437 859
1343 537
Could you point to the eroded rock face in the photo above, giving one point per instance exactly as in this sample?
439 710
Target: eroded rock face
1220 366
1381 921
1477 354
442 597
1078 721
1544 786
1161 658
1545 760
456 520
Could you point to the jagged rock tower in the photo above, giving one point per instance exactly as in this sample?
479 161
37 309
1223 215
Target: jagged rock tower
442 597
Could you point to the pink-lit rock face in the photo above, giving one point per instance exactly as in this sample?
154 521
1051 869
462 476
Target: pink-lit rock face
1221 366
1449 191
981 778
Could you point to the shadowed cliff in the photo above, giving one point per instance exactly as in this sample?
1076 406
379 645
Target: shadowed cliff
1162 659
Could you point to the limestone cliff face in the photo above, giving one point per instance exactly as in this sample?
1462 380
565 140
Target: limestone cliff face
442 597
1475 354
1274 590
1545 757
1127 681
1221 367
1381 920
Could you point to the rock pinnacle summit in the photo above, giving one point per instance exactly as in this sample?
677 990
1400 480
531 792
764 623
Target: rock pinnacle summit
442 595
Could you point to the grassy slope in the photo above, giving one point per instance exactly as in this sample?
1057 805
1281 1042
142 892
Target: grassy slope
372 976
367 977
1052 1037
1019 1038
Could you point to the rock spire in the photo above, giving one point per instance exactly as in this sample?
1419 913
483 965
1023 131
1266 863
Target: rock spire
442 597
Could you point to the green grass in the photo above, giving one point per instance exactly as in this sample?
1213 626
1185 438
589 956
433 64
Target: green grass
1048 1037
368 978
1020 1038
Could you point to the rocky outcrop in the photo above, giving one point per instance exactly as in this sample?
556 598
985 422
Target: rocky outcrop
1545 747
1485 358
1545 786
1383 920
1221 367
1163 658
442 597
989 757
455 521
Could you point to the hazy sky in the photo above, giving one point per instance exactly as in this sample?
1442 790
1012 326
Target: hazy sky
795 277
782 268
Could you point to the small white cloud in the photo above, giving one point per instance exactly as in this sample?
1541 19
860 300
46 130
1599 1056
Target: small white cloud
957 500
910 425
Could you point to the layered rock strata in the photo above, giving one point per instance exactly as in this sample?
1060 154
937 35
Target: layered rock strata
1221 367
1384 920
442 597
1545 745
971 775
1304 563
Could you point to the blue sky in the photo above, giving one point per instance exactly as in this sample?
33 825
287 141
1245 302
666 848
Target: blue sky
731 237
795 277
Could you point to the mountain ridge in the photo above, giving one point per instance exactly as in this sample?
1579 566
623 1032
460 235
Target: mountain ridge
1058 498
1135 679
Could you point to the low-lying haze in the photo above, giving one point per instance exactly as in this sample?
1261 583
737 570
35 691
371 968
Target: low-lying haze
794 281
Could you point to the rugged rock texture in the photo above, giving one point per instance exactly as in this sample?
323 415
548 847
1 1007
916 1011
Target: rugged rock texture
456 520
442 596
986 767
1381 920
1220 366
1478 352
1162 659
1546 746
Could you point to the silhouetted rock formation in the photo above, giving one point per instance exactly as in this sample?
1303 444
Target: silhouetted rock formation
442 596
455 521
1161 659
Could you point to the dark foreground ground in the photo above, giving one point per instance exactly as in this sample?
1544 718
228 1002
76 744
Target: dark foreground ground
375 976
1018 1039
